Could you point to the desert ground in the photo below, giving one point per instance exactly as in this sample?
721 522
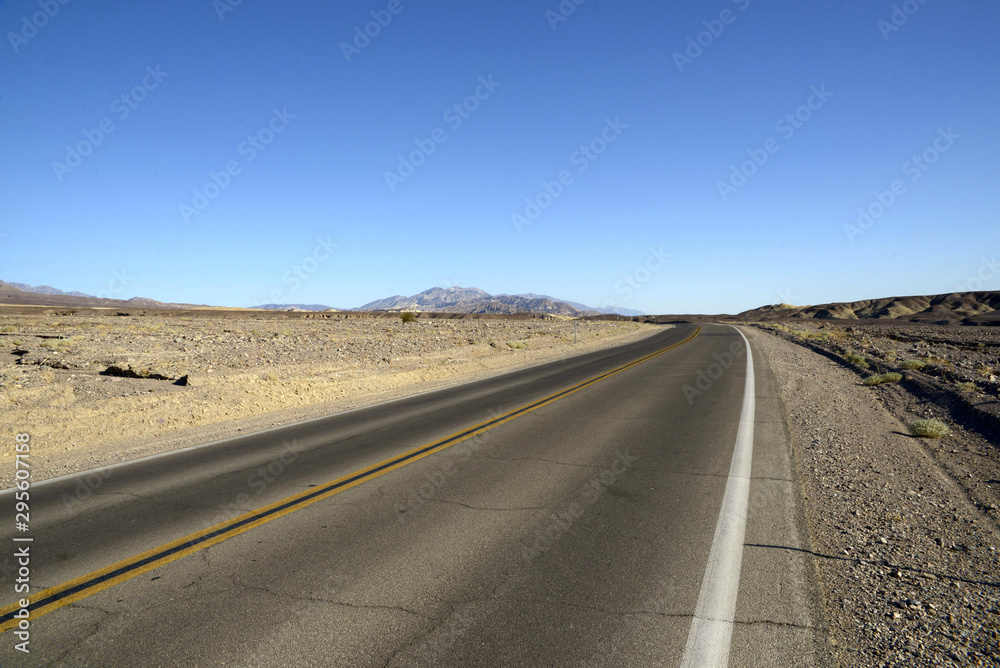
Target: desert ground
95 388
904 530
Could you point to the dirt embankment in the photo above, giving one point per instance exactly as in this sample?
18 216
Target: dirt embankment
96 389
904 530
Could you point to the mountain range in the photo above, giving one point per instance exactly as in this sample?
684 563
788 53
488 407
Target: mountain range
448 300
296 307
467 300
42 289
473 300
962 308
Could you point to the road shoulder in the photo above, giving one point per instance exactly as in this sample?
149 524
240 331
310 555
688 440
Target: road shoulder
907 561
778 619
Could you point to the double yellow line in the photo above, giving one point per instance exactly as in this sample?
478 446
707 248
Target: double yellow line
99 580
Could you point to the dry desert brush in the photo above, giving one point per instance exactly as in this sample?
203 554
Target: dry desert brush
929 428
856 358
879 378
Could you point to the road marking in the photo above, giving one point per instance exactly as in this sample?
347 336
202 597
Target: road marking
99 580
712 627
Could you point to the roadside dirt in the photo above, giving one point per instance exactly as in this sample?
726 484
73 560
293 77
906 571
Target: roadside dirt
904 530
98 389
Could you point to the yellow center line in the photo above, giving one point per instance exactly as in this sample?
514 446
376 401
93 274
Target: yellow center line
87 585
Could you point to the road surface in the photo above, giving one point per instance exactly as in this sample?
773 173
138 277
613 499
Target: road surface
595 511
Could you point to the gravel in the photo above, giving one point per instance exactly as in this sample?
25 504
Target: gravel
903 529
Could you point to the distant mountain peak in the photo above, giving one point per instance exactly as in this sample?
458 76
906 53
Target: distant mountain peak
295 307
42 289
456 299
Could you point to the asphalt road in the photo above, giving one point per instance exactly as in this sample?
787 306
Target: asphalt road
561 515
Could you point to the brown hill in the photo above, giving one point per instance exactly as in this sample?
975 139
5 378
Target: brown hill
957 308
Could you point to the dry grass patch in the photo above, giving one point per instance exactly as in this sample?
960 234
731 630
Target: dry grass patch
913 364
879 378
929 428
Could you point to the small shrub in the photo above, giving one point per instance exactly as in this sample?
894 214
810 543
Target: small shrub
891 355
879 378
929 429
406 316
913 364
7 329
967 386
517 345
838 335
58 345
855 358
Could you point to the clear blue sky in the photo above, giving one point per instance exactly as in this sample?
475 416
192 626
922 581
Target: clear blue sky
310 133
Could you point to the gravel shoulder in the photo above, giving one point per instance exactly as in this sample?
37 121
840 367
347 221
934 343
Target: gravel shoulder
96 390
904 530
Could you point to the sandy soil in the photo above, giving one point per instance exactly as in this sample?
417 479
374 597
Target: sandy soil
97 389
904 530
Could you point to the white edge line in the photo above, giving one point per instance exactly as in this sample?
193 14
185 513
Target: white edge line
712 626
655 329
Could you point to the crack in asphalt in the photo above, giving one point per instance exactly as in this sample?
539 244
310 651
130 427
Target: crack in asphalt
355 606
85 637
595 608
547 461
771 622
471 507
